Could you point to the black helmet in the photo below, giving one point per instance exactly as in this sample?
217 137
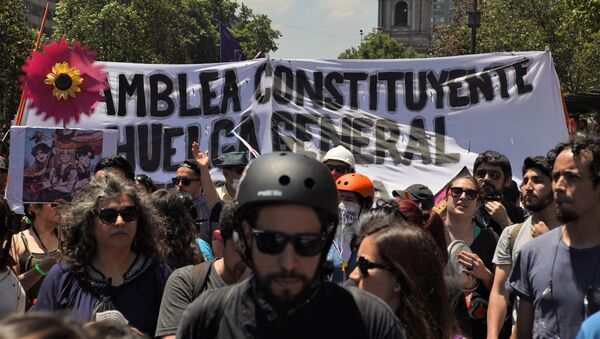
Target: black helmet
286 177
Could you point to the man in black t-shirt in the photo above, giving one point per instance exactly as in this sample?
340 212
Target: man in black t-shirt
494 173
287 215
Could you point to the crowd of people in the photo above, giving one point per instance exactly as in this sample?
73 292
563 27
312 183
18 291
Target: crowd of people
292 247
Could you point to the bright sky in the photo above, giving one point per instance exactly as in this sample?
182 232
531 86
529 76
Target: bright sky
317 29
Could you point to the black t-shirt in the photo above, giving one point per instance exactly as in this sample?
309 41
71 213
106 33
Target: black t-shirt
515 213
484 246
332 312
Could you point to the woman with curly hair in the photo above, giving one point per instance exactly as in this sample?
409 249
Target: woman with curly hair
112 260
179 232
399 262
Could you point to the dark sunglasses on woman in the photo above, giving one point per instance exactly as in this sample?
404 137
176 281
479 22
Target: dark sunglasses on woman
306 245
109 215
457 192
364 265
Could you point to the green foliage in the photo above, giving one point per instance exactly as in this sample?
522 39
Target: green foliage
16 40
379 45
570 28
161 31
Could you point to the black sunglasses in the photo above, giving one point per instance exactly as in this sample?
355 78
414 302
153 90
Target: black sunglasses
480 174
339 168
457 192
109 215
364 265
306 245
184 181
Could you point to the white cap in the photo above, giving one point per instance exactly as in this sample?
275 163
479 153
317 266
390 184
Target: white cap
340 153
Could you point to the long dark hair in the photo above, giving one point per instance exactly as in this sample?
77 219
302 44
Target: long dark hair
77 223
179 231
424 307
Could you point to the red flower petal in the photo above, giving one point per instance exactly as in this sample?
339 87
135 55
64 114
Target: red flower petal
39 64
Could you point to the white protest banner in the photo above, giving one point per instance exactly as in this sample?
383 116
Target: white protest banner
48 164
406 121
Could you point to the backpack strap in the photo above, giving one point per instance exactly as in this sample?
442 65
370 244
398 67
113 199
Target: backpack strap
200 274
514 232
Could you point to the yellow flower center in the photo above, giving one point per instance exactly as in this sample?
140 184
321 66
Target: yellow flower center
65 81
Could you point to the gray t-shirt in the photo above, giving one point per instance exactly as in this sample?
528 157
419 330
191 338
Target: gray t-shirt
178 294
556 278
504 254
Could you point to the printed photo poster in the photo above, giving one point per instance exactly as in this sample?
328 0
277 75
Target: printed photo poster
47 165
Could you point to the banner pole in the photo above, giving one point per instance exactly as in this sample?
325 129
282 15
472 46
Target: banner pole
37 44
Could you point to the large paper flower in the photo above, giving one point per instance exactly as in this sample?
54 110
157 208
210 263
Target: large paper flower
63 82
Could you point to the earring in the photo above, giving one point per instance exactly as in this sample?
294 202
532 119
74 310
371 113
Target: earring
397 287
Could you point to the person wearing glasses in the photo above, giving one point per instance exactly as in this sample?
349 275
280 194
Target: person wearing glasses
193 177
286 219
463 199
340 161
494 173
557 275
233 166
112 265
400 263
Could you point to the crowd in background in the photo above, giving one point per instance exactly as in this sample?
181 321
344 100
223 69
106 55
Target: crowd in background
484 258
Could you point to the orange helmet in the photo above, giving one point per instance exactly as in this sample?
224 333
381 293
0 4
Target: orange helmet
357 183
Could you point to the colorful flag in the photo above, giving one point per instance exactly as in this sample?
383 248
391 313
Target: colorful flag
230 48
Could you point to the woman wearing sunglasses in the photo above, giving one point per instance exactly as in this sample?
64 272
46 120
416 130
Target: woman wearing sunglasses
400 263
462 198
112 258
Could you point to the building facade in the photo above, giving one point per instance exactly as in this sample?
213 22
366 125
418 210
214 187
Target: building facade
411 22
35 12
442 12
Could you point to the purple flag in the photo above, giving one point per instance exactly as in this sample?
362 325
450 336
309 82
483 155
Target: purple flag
230 48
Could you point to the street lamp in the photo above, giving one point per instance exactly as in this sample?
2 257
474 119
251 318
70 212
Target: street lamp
474 22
